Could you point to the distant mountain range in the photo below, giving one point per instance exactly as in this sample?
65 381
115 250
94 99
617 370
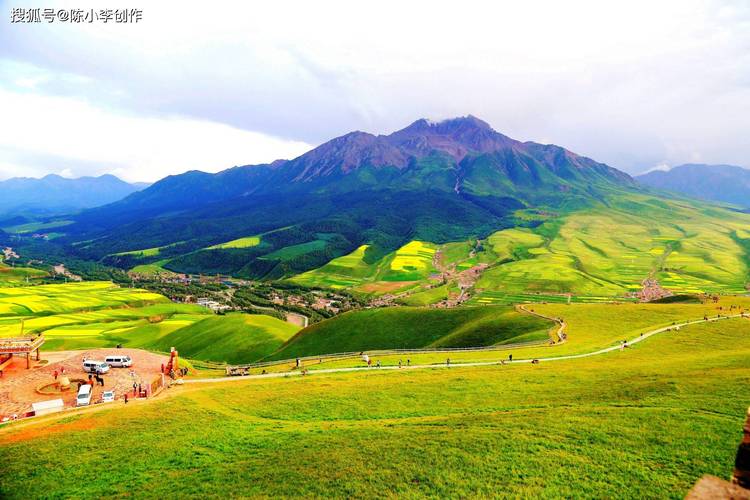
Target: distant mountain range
722 183
53 194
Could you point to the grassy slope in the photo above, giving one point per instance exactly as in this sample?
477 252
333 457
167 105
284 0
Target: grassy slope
690 247
247 242
155 269
410 263
36 226
98 314
413 328
341 272
234 338
647 422
590 327
430 296
13 276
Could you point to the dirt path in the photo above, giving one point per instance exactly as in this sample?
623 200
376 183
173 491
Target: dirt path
605 350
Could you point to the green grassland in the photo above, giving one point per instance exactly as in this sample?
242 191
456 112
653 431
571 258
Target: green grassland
431 295
293 251
33 227
593 254
589 327
18 276
98 314
247 242
415 328
234 338
148 252
154 269
409 264
341 272
643 423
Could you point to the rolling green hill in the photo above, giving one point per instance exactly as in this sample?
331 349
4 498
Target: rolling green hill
414 328
687 246
234 338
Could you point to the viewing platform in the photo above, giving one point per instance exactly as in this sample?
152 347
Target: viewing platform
12 346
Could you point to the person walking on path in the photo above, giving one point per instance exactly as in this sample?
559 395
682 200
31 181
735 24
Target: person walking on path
448 362
55 374
378 363
510 357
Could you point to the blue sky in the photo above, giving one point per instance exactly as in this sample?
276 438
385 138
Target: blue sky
210 85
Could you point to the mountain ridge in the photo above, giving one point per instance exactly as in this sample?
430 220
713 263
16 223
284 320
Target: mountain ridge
719 183
56 194
458 141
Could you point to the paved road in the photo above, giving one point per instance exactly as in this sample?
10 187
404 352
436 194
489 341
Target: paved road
640 338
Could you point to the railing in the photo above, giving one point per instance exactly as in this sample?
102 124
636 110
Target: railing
340 356
15 345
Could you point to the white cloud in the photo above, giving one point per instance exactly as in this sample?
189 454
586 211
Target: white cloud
135 148
630 83
662 167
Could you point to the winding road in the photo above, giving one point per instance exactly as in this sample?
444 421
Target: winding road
605 350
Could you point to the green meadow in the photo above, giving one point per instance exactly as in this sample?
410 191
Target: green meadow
415 328
33 227
408 265
246 242
18 276
99 314
646 422
594 255
589 327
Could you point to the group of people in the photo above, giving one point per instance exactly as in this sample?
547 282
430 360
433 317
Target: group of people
368 361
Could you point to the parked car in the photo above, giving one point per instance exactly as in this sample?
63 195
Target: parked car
84 395
93 366
108 396
119 361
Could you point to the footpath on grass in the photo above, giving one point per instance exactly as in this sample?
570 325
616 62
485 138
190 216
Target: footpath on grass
621 346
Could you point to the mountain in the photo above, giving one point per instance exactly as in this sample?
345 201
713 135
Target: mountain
461 155
55 194
432 181
722 183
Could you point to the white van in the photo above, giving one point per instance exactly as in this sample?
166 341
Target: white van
93 366
84 395
119 361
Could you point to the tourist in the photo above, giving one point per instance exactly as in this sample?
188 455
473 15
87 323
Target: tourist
378 363
55 374
408 362
510 358
448 362
126 398
399 363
